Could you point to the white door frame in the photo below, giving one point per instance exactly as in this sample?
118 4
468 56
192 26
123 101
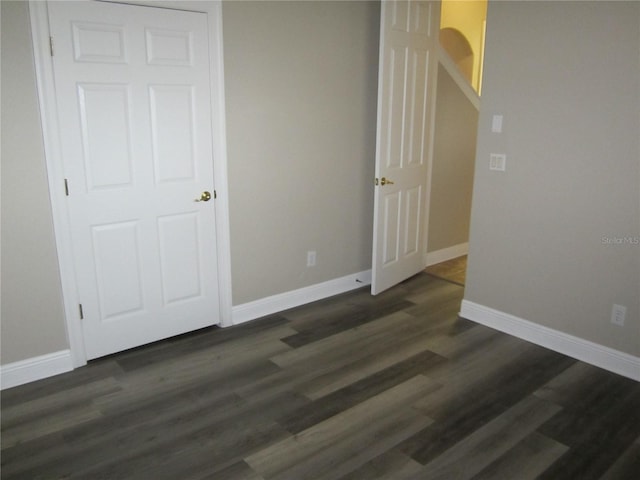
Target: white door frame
55 171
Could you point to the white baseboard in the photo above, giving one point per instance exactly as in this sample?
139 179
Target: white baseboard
448 253
283 301
36 368
575 347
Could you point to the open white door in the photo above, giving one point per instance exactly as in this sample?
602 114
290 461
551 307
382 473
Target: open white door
134 108
406 91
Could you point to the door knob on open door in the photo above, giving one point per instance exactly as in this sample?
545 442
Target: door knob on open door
384 181
205 197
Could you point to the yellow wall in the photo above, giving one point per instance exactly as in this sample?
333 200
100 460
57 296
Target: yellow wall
468 17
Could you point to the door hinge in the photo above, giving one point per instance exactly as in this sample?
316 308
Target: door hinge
66 187
51 45
81 311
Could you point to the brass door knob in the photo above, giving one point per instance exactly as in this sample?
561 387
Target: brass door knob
384 181
205 197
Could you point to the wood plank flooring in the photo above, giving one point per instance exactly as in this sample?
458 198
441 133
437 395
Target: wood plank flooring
454 270
353 387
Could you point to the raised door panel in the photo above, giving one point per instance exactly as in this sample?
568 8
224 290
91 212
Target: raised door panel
412 221
169 47
392 147
99 43
105 119
180 258
417 111
117 260
392 212
173 132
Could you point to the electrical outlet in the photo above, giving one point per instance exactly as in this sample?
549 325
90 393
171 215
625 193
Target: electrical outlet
311 258
498 162
618 312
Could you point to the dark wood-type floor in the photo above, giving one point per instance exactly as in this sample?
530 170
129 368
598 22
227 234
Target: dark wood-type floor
354 387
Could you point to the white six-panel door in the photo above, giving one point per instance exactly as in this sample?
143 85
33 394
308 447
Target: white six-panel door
133 100
408 41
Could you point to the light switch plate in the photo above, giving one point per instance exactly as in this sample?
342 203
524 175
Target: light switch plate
496 124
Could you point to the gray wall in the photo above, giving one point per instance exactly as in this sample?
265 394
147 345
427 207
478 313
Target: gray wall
454 151
301 89
32 312
566 77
